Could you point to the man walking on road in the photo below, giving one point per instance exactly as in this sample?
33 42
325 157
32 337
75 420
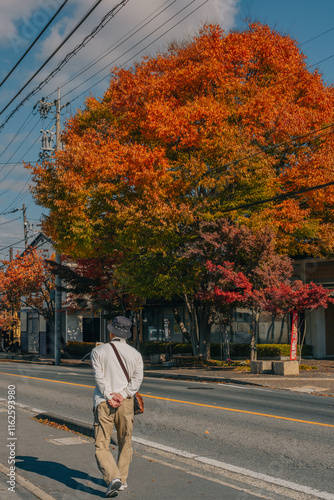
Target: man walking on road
113 402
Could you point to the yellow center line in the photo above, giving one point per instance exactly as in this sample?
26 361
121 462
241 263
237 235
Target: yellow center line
240 411
187 402
48 380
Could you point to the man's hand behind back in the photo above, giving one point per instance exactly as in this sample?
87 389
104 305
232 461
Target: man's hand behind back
116 400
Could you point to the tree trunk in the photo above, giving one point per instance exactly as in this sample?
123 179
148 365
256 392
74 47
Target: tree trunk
302 336
194 333
181 325
272 338
253 353
282 330
203 314
271 331
255 337
226 337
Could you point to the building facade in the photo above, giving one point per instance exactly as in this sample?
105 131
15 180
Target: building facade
160 320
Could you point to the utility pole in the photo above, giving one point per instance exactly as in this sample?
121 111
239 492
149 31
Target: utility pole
58 257
48 149
25 226
48 136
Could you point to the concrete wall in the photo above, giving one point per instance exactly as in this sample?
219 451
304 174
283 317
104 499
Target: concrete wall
266 336
316 332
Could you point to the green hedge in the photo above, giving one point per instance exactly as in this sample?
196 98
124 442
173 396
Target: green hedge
80 349
147 348
263 350
274 350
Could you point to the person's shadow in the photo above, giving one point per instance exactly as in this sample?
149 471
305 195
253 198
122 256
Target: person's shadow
61 473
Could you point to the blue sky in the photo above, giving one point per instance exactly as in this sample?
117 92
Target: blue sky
156 22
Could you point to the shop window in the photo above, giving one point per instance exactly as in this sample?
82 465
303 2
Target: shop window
91 329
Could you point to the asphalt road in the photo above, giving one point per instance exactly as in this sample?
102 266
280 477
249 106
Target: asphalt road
278 433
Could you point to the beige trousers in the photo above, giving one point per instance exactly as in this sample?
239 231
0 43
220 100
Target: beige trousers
104 419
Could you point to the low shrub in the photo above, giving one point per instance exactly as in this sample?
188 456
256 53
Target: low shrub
263 350
275 350
79 349
307 367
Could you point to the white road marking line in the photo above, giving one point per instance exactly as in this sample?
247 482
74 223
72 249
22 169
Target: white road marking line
162 447
246 387
268 479
207 478
240 470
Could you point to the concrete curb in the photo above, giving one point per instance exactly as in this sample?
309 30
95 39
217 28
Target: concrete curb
73 425
198 378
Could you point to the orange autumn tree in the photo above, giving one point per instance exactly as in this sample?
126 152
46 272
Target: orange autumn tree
26 281
209 125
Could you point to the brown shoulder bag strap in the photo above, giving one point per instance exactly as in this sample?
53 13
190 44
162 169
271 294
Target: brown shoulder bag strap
120 361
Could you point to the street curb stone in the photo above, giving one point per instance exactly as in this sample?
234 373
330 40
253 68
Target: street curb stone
199 378
73 425
27 485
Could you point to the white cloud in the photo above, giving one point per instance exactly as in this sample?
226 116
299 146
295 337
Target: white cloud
20 22
178 20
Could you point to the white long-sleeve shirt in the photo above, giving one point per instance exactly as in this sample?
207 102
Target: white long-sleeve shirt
108 373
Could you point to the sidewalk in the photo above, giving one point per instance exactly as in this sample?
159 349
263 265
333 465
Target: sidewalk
318 379
55 464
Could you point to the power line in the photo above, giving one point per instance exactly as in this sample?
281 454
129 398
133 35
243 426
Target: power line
9 246
315 37
104 21
53 54
19 196
153 42
319 62
17 149
9 221
272 147
22 193
16 162
131 59
280 197
120 42
302 136
269 148
123 39
17 133
11 211
34 42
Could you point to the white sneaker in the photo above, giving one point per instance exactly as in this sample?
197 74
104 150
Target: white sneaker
125 485
113 487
